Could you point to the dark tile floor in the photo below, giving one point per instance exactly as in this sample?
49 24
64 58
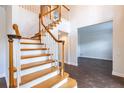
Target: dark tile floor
91 73
94 73
3 83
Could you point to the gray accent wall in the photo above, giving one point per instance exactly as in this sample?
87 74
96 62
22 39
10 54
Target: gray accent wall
95 41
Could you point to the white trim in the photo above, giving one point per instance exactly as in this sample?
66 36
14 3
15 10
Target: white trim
117 74
60 83
7 82
2 75
72 63
95 58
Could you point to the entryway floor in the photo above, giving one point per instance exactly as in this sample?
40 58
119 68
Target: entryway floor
3 83
94 73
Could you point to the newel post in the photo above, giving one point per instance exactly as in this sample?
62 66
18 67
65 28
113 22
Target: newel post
11 61
11 65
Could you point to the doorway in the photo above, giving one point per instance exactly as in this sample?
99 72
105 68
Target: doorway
64 36
95 41
95 56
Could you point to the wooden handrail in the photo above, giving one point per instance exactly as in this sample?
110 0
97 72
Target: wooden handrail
41 17
54 38
66 7
14 36
58 41
18 36
50 11
55 9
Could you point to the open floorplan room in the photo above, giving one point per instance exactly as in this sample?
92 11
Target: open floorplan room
61 46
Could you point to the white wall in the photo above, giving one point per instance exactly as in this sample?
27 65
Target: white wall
64 25
118 42
88 15
3 42
96 41
27 21
81 16
65 13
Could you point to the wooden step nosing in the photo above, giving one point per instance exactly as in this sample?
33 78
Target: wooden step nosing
40 63
71 83
34 56
26 38
35 65
31 49
41 75
60 79
31 43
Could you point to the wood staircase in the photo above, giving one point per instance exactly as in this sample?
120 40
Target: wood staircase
32 64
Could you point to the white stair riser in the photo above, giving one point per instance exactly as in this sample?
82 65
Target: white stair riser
31 46
31 41
35 69
36 59
39 80
33 52
60 83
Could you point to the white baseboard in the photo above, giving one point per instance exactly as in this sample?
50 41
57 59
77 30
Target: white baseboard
2 75
96 58
117 74
71 63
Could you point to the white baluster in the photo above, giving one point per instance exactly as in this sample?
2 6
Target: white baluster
17 60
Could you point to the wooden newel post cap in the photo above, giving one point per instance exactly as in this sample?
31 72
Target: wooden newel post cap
15 27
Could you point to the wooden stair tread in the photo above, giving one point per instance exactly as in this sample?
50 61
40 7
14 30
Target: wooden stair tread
33 56
28 49
38 74
71 83
31 43
34 64
29 38
52 81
